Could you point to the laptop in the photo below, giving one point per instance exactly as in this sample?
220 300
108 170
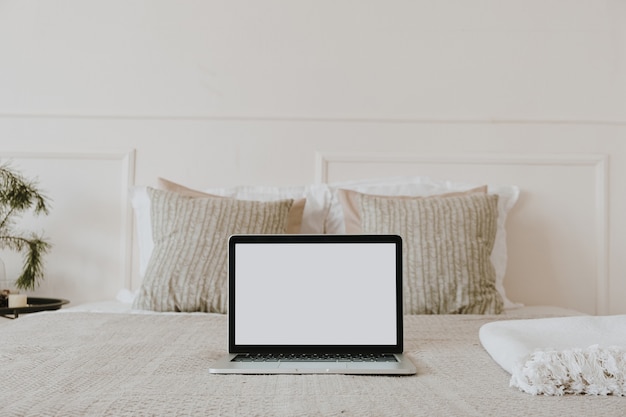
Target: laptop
315 304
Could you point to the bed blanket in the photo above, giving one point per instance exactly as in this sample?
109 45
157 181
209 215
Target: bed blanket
565 355
101 364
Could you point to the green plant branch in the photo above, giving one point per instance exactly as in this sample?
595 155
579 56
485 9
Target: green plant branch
18 194
5 220
35 247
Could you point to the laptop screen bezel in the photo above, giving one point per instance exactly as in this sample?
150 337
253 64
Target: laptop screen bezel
321 239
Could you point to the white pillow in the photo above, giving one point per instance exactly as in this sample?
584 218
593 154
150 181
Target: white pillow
425 186
318 202
141 207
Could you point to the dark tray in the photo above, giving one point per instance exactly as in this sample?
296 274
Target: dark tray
34 304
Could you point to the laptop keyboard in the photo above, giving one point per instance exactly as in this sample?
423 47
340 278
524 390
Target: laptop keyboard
311 357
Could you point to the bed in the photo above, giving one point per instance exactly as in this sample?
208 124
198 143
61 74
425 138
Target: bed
96 363
148 352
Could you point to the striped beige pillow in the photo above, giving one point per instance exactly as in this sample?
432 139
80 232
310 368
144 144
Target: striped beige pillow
294 221
350 204
187 270
447 245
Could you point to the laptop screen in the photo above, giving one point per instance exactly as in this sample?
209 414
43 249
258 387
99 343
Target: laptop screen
315 291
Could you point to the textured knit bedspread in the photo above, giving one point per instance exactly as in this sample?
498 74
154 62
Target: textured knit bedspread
98 364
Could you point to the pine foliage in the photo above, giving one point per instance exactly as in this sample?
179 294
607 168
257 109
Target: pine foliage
18 195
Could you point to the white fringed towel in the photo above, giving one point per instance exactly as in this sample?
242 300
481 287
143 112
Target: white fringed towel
564 355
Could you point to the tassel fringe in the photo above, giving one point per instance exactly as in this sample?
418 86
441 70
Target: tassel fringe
592 371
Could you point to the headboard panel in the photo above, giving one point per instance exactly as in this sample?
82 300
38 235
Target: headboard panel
90 222
557 232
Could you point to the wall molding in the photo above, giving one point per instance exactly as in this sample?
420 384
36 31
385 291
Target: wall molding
315 119
598 162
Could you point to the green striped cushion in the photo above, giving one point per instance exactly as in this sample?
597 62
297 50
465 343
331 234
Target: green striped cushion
447 245
187 270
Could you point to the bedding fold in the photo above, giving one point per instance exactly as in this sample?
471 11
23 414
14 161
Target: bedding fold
562 355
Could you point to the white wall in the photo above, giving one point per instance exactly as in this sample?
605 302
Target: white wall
97 95
500 60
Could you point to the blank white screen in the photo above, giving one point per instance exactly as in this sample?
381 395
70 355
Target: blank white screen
315 294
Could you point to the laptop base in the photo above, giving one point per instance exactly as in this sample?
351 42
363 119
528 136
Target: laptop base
226 365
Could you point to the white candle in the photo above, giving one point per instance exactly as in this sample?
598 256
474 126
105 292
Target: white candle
17 300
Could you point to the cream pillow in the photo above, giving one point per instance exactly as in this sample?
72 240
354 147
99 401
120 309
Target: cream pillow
187 270
447 242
